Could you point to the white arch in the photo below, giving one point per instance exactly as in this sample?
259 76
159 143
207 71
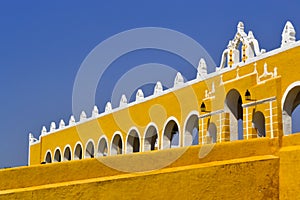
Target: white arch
55 158
288 89
151 124
75 156
194 112
89 153
172 118
112 140
286 116
128 150
48 152
64 156
99 151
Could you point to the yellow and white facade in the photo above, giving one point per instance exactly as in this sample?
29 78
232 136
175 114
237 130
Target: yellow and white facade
252 94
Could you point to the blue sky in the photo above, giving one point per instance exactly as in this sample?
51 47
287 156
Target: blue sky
42 45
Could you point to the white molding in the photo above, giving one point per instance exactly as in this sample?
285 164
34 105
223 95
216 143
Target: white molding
211 113
261 101
287 90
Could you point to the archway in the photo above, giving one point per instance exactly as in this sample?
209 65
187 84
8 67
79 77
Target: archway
57 156
258 124
133 142
191 130
291 100
102 147
78 152
171 135
212 133
48 158
151 139
67 154
233 105
90 150
117 145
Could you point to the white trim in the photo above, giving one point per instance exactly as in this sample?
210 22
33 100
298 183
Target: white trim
193 112
270 99
112 139
211 113
271 120
57 149
247 131
133 128
98 145
63 156
220 128
48 151
164 127
202 130
157 132
286 92
86 144
78 143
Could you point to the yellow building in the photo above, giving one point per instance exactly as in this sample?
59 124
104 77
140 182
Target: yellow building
222 135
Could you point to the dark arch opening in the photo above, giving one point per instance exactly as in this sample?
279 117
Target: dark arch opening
90 150
133 142
67 154
150 142
117 145
78 152
212 133
258 124
291 111
48 157
171 135
233 105
102 147
57 156
191 132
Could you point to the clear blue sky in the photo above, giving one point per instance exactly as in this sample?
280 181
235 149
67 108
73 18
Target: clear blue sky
42 45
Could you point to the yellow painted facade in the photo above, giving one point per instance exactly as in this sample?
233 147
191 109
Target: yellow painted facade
259 161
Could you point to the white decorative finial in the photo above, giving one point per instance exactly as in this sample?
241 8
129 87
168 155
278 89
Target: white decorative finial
178 79
95 111
44 130
221 79
240 27
288 34
108 107
72 120
213 87
52 126
158 89
202 69
62 124
275 71
139 95
123 101
82 116
31 139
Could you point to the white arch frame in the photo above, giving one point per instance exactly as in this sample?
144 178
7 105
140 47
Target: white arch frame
194 112
98 146
133 128
85 148
74 154
48 151
283 99
158 135
164 127
112 139
65 148
57 149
